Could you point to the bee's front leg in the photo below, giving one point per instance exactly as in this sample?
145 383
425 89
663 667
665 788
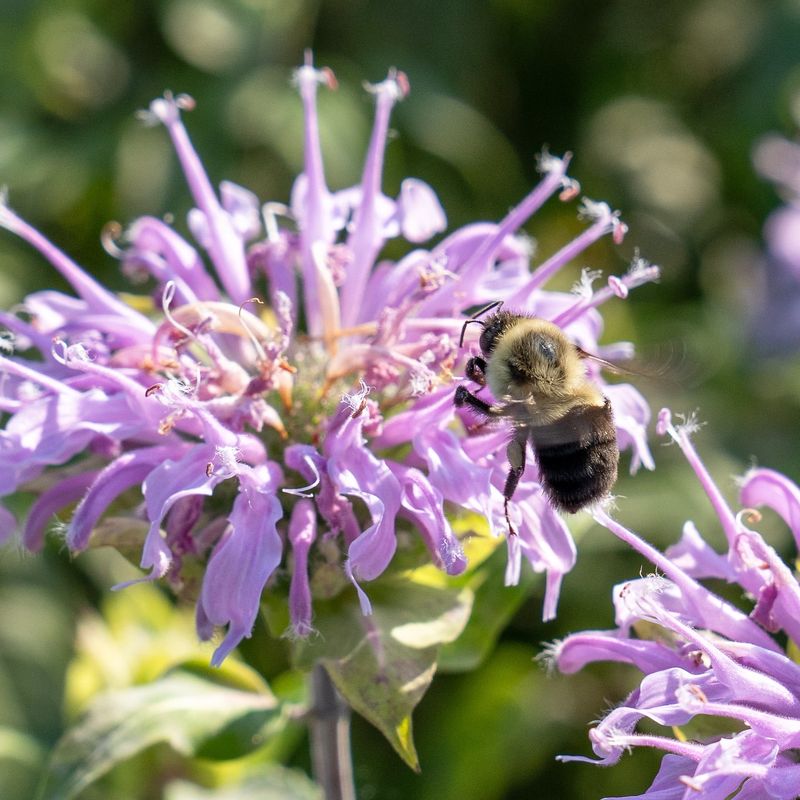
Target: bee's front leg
476 370
465 398
516 462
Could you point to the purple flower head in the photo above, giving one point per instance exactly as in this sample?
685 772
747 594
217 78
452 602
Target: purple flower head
701 655
268 439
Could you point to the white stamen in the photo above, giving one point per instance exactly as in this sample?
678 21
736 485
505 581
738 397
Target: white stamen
270 213
260 353
7 218
421 381
227 456
166 300
355 399
583 287
305 491
108 236
594 210
548 164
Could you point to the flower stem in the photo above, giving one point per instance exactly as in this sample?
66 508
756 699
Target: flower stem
330 738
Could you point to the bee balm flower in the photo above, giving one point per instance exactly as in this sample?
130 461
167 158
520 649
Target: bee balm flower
703 656
259 436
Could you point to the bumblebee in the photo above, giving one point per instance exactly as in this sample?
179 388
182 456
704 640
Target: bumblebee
538 379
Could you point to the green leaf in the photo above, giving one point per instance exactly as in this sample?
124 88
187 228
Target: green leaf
20 747
193 714
384 663
124 534
273 783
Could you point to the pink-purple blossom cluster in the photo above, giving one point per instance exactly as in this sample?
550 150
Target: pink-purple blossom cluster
259 435
701 655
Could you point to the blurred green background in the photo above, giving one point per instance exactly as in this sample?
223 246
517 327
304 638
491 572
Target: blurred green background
661 102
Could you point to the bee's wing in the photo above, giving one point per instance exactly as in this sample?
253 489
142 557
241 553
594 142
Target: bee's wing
580 426
611 366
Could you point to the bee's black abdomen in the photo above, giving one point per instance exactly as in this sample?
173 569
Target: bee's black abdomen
578 457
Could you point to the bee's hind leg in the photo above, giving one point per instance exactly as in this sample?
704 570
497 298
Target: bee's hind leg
515 452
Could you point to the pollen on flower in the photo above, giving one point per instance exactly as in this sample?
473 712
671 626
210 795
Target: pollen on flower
227 457
688 423
356 401
174 392
396 86
433 273
548 656
422 381
594 210
642 268
548 164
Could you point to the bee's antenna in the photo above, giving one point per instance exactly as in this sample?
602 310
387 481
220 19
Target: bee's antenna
475 318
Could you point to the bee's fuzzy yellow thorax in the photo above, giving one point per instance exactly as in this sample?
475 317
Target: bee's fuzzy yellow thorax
533 363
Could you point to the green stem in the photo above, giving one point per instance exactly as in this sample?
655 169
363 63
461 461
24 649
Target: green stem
330 738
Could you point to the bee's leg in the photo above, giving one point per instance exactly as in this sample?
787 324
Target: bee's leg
516 461
476 370
465 398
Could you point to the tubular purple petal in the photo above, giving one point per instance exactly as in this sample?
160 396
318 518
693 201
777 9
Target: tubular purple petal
223 243
19 370
167 256
420 212
680 435
243 560
366 237
580 649
547 269
454 474
99 299
766 487
631 418
311 200
52 429
165 484
707 609
777 580
302 533
423 504
356 472
697 558
479 261
744 684
129 470
66 491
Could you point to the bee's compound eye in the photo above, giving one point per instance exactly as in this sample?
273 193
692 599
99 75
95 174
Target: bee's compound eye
546 348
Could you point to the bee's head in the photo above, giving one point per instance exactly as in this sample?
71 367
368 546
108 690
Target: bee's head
532 359
537 358
494 328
